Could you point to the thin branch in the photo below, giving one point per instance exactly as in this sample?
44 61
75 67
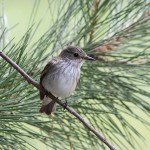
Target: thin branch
71 110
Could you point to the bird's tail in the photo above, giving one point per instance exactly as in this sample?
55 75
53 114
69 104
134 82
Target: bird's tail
48 106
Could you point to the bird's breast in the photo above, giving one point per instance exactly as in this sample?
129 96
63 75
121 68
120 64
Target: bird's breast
63 81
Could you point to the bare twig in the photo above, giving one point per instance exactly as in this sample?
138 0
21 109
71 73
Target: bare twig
71 110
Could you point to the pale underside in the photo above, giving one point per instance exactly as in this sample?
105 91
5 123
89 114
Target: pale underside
63 81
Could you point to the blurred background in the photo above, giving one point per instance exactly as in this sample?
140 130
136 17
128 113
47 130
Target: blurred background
114 95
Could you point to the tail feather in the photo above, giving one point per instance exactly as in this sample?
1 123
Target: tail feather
49 106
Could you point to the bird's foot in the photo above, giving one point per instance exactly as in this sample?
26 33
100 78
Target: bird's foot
65 104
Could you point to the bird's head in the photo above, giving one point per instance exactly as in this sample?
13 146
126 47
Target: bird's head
75 54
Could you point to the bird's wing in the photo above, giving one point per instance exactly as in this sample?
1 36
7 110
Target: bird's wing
47 68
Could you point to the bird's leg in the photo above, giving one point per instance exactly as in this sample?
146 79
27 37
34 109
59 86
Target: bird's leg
65 103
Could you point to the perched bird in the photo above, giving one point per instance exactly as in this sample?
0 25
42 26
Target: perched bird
61 76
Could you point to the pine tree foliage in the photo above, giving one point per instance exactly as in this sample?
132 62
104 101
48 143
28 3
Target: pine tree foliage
113 88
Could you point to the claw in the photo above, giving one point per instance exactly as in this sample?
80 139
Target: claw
65 104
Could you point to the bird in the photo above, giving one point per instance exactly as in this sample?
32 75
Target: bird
61 76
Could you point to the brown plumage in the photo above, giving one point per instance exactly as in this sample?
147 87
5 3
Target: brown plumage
47 69
61 76
48 109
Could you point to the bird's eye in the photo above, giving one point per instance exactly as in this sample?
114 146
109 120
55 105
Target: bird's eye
76 54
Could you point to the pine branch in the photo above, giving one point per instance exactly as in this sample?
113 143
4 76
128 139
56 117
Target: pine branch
71 110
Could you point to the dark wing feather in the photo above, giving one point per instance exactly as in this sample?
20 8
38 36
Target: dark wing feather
78 82
47 69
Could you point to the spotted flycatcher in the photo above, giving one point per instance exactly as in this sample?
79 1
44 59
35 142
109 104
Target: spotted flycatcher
61 76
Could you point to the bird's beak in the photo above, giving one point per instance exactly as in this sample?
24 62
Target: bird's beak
87 57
